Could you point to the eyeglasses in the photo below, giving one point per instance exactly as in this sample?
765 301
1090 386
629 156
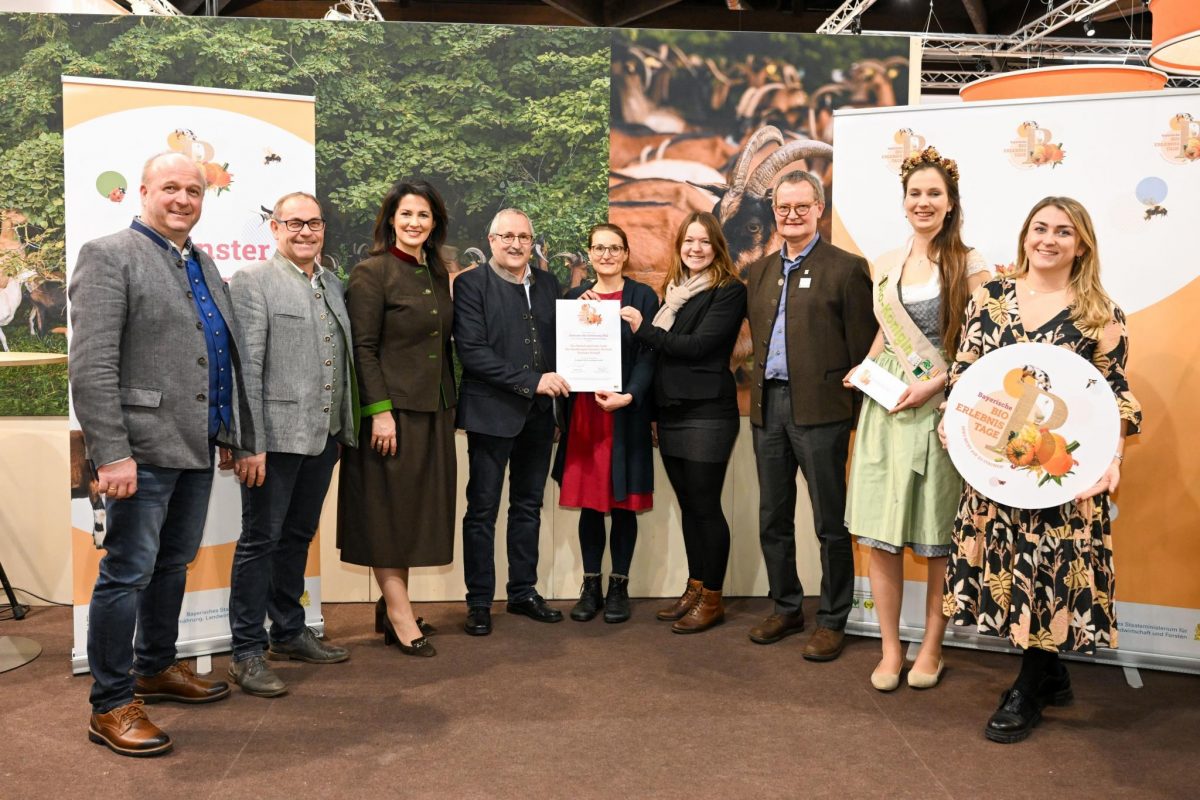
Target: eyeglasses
507 238
800 210
607 249
316 225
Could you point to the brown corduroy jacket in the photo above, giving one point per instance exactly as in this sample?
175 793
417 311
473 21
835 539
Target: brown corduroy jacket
830 327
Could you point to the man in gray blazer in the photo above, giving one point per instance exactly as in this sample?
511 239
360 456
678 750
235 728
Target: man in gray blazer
155 376
303 396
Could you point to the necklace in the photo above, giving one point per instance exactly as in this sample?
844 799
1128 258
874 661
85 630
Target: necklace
1033 291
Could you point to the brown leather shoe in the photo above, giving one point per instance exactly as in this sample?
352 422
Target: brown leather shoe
707 612
178 683
777 626
128 731
684 604
825 645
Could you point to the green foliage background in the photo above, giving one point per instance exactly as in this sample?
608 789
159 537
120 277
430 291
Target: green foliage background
494 116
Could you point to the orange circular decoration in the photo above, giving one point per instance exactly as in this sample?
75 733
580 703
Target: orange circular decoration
1063 81
1175 36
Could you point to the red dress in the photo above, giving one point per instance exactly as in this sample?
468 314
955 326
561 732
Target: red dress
587 469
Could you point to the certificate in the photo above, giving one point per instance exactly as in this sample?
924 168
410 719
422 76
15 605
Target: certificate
878 384
588 344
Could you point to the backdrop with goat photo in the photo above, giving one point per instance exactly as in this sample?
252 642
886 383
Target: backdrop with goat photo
705 121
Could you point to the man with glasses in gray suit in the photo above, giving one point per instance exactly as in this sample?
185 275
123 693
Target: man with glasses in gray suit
155 382
301 389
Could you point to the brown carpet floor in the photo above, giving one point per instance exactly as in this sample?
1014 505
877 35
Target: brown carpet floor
594 710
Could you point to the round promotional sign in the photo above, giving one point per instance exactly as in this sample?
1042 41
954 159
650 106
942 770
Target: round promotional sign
1031 425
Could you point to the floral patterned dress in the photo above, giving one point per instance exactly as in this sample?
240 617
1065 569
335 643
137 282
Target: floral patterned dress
1043 578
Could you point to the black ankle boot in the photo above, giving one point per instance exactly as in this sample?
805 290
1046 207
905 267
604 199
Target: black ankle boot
1055 688
591 599
1015 718
616 604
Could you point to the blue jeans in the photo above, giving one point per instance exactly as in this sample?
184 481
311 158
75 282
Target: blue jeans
279 520
152 537
527 457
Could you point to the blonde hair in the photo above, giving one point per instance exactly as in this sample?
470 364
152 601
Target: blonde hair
1092 308
722 268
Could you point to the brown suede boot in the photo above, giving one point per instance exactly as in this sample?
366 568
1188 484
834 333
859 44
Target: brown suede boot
708 611
684 604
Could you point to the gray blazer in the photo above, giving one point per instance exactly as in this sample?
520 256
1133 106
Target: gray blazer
283 361
138 362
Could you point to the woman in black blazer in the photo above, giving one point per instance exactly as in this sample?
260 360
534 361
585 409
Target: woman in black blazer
604 464
693 333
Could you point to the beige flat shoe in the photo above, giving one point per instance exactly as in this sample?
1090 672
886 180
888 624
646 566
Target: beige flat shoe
925 680
885 681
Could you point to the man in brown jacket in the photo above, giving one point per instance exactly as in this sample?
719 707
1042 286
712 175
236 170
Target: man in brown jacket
810 318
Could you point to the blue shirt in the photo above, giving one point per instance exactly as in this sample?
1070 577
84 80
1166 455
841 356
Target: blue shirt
777 366
216 332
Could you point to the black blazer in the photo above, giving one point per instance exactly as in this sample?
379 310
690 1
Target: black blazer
633 450
693 357
499 339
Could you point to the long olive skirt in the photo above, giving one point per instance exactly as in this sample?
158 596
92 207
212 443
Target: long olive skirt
398 511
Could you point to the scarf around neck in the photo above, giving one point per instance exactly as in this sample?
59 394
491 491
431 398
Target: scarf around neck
677 295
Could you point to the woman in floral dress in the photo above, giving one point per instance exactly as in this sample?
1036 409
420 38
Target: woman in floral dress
1043 578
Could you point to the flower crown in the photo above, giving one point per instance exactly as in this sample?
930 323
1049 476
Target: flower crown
929 155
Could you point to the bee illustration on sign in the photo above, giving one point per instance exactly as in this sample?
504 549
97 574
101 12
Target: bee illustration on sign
1151 191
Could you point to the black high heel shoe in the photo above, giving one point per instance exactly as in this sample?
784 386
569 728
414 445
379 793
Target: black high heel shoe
381 620
420 647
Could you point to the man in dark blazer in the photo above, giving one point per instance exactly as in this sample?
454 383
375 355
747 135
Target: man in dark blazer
302 392
810 318
504 334
156 383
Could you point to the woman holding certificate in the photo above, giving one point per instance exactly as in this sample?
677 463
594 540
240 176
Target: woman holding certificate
604 464
903 489
397 493
1043 578
693 334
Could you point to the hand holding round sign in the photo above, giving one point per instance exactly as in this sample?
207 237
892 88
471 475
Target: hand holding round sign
1031 425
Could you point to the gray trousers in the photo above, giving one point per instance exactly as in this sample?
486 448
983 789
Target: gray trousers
820 451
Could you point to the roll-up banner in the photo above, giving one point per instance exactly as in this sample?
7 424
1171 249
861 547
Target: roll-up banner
253 147
1134 162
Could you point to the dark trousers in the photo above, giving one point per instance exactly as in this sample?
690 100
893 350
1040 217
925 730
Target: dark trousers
152 537
279 520
527 457
591 539
697 486
820 451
